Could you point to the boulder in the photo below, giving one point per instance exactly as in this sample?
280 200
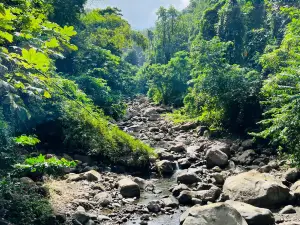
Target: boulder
215 157
213 214
184 163
179 148
289 209
210 195
129 188
186 126
27 181
81 216
154 207
179 188
253 215
292 175
170 202
187 177
92 175
258 189
186 197
103 198
246 158
248 144
165 167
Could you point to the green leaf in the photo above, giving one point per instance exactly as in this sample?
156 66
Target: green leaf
47 94
36 59
53 43
7 36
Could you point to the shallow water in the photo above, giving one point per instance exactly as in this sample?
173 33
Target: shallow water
163 185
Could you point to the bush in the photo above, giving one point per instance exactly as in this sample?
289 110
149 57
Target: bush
21 204
41 165
86 132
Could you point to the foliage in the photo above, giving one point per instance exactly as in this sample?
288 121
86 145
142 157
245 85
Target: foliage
281 91
21 204
24 140
168 83
92 135
42 165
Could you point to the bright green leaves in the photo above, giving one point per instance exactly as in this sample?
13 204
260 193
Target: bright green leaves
6 36
47 94
53 43
25 140
36 60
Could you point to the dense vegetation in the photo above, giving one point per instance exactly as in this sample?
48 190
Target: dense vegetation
239 67
232 65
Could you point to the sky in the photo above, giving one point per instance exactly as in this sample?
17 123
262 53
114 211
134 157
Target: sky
141 14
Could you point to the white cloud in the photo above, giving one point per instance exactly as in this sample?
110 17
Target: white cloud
184 3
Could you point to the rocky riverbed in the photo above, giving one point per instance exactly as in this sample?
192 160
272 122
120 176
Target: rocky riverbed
194 180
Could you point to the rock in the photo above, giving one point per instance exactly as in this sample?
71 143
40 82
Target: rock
248 143
98 186
102 218
170 202
186 126
213 214
74 177
201 130
210 195
165 167
81 216
289 209
129 188
195 148
215 157
150 111
185 197
187 177
253 215
92 175
246 158
179 148
219 178
154 207
290 223
265 169
141 182
184 163
179 188
292 175
27 181
257 189
103 198
163 155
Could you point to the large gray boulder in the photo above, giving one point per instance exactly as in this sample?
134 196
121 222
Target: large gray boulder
213 214
129 188
215 157
253 215
258 189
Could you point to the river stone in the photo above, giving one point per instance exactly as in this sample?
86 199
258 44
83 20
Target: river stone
247 157
81 216
289 209
253 215
292 175
185 197
210 195
177 189
215 157
103 198
92 175
165 167
213 214
170 202
179 148
187 177
258 189
128 188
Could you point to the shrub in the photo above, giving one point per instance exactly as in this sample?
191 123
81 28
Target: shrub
41 165
21 204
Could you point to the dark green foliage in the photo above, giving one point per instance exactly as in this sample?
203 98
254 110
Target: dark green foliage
21 204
